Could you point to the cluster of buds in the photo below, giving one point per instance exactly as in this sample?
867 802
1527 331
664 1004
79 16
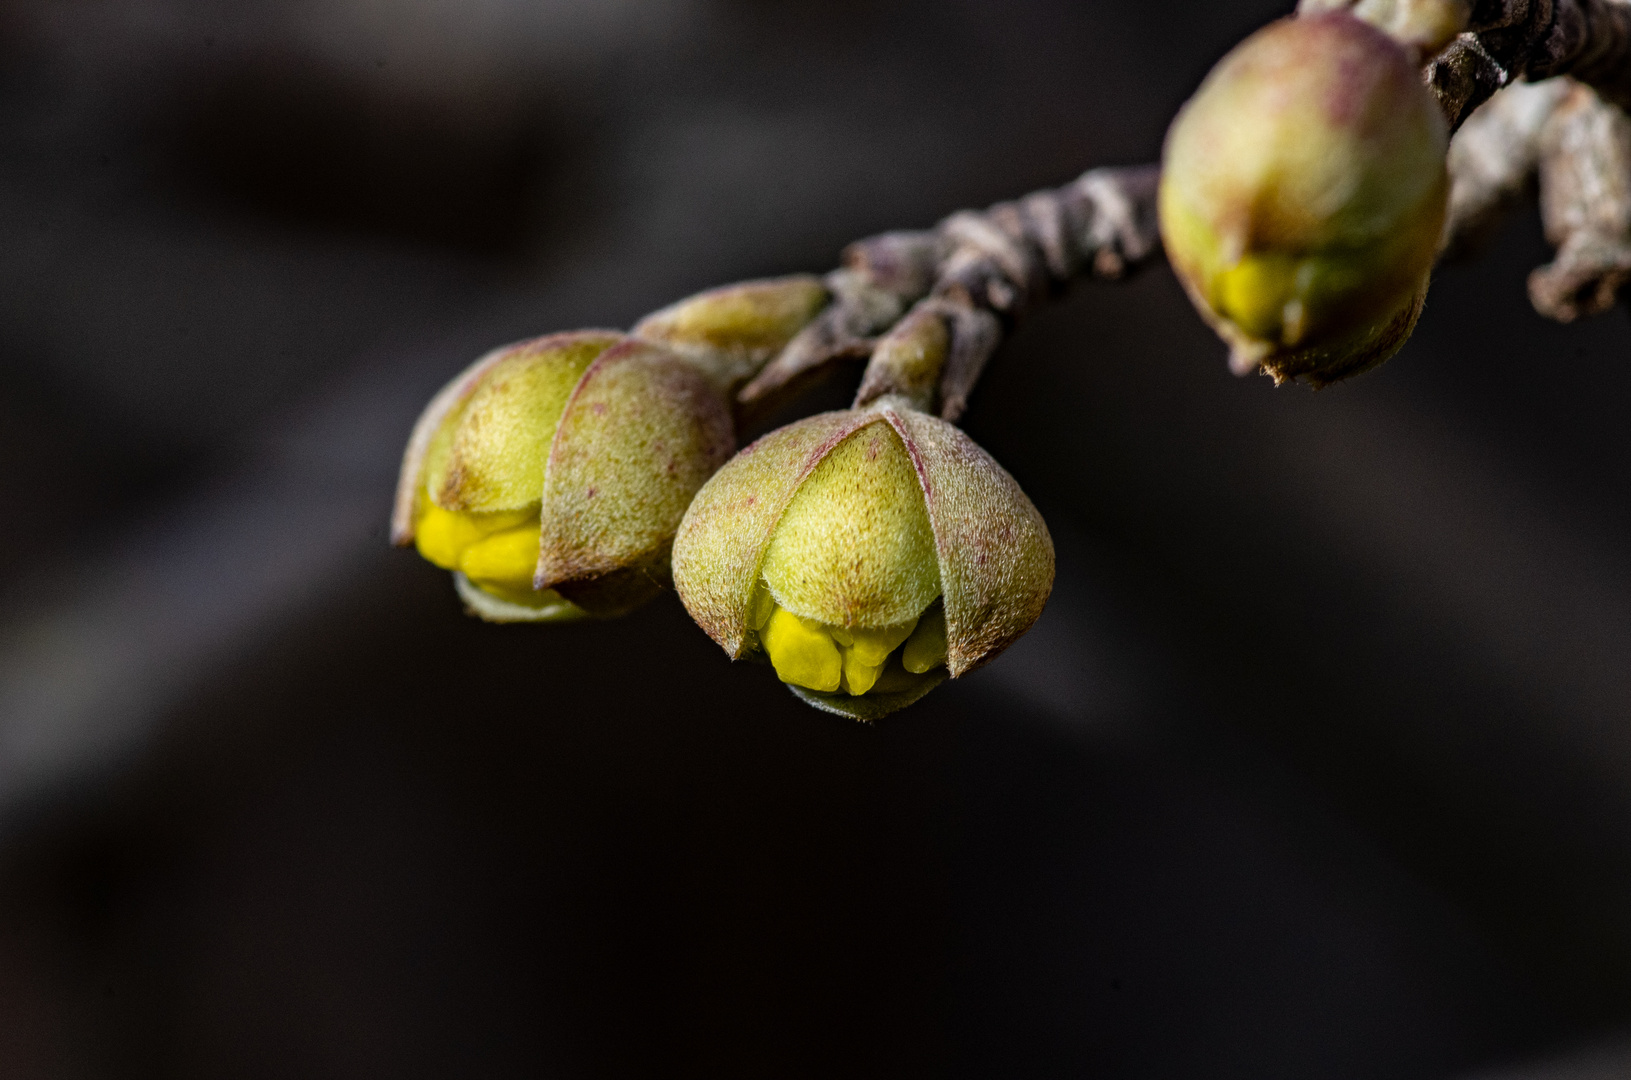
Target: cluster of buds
867 554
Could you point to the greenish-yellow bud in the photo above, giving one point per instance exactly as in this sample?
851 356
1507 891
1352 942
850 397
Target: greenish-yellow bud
867 554
730 332
1303 195
551 475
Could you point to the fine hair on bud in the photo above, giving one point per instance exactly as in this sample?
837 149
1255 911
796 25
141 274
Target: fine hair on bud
551 475
866 555
1303 197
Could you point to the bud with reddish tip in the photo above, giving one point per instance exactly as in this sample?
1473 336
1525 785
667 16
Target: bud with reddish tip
1302 197
867 554
551 475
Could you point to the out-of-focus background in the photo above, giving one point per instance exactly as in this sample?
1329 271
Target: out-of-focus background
1318 764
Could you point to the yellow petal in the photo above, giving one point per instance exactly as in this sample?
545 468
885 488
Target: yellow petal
801 651
858 676
926 648
872 647
506 558
764 606
442 535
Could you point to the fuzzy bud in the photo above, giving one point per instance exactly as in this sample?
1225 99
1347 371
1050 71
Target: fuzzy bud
550 476
730 332
867 554
1302 197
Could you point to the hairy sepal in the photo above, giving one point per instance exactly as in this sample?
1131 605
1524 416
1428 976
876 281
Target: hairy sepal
640 434
996 557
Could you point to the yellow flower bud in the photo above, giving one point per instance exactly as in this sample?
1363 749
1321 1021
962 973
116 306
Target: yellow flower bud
867 554
551 475
1302 197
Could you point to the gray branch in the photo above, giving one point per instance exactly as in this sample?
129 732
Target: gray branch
978 270
1507 40
1579 147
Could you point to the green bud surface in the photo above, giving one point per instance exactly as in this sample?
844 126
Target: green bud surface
1303 195
731 331
854 546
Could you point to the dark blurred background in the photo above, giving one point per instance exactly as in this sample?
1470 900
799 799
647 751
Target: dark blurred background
1317 766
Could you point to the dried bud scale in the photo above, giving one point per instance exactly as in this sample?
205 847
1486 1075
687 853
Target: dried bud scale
1493 159
978 270
1585 204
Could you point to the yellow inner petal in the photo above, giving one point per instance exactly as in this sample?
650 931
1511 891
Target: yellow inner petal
817 656
499 552
508 558
859 677
442 535
872 647
926 648
801 651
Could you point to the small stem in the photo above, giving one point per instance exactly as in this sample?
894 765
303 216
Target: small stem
977 272
909 360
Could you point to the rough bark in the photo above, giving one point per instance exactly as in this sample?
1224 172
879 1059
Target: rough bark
1508 40
977 270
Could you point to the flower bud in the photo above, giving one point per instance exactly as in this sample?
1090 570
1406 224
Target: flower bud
867 554
730 332
1302 197
551 475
